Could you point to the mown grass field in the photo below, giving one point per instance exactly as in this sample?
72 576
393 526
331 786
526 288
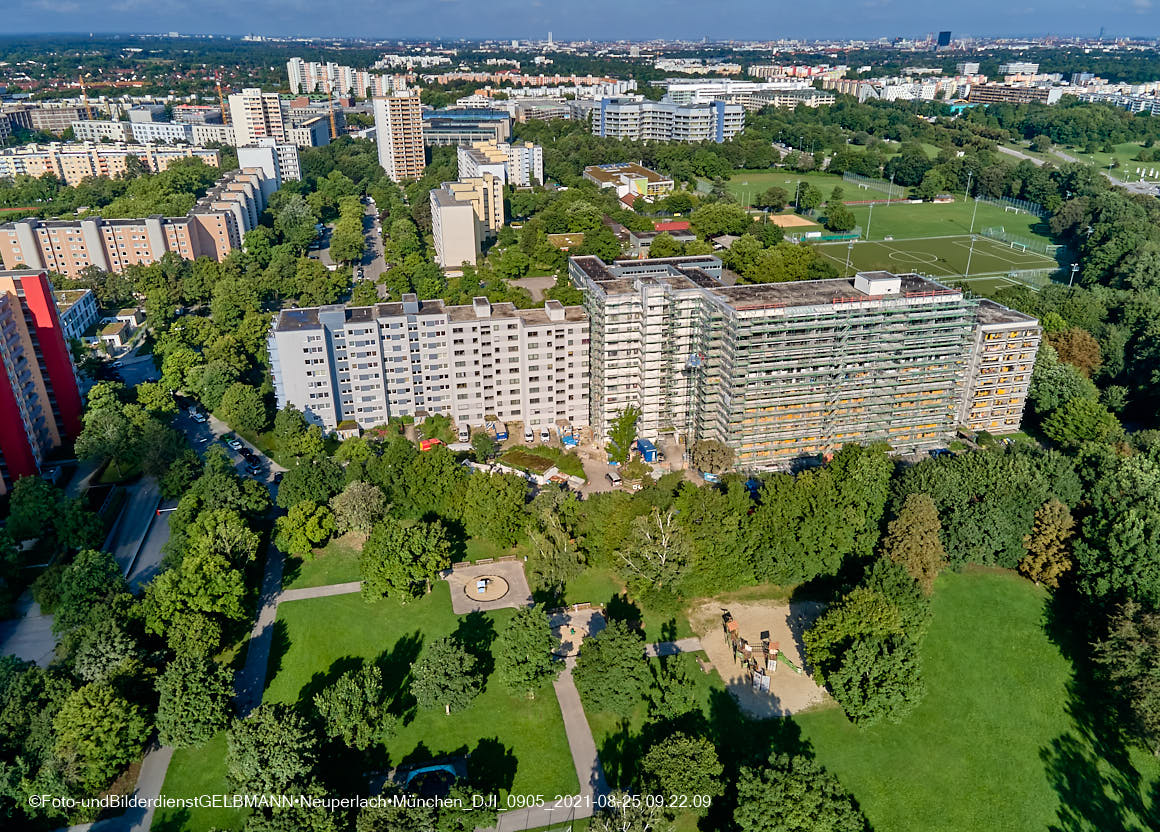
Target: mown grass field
935 256
1005 739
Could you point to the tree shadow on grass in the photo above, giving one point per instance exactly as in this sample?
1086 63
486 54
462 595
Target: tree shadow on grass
491 767
1090 767
476 632
320 681
621 608
175 821
291 569
395 665
279 647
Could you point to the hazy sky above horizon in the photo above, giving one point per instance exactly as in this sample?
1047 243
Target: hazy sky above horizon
599 19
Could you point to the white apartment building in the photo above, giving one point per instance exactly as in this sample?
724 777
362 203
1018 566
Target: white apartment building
219 133
256 115
279 161
519 165
77 309
399 135
363 365
95 131
697 90
631 118
162 132
313 76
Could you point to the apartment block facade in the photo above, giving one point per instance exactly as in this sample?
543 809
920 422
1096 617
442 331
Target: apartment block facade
519 165
342 364
660 121
278 160
779 371
466 126
213 228
73 162
313 76
77 309
399 135
256 115
457 232
40 404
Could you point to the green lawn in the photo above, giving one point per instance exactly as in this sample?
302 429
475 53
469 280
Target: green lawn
192 772
745 185
477 549
335 563
996 744
600 586
937 256
317 639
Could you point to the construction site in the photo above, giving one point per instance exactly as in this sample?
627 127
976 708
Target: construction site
785 371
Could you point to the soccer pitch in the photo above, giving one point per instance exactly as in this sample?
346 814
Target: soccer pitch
938 257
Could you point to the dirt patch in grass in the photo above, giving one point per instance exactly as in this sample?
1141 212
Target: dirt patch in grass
526 461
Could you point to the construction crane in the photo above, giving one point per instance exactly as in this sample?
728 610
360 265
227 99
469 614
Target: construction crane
85 98
330 98
221 98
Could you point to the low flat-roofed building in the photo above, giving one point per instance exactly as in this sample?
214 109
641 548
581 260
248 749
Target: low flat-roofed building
77 309
630 178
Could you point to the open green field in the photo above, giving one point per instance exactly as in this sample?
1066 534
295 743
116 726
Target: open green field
935 256
930 219
1004 740
334 563
192 772
316 640
745 185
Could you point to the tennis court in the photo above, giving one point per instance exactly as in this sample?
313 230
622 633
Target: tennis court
936 256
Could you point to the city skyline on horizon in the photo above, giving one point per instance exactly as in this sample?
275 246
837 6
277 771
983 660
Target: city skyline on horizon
597 20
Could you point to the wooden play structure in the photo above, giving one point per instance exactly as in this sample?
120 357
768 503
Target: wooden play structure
760 660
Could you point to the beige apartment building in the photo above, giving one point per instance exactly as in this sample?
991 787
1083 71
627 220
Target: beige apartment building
74 162
399 135
256 115
458 234
519 165
213 228
364 365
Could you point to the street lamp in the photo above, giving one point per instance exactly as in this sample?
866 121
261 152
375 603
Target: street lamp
849 252
1074 269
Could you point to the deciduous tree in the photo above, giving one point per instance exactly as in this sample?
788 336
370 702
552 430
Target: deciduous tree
523 651
611 673
445 676
1048 545
912 540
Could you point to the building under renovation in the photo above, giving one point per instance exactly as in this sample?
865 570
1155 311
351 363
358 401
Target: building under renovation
780 371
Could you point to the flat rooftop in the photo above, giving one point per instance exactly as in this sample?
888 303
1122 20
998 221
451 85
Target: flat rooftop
297 320
995 313
693 272
614 172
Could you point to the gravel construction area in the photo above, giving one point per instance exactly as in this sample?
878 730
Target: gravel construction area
789 692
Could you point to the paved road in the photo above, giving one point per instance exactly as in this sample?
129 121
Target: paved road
372 263
29 635
148 562
128 533
1019 155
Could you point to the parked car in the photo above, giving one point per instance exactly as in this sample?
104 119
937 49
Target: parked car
118 364
613 479
545 435
529 437
254 470
464 433
236 444
198 416
937 452
248 455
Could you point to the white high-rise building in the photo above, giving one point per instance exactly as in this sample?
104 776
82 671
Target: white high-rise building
279 161
399 135
363 365
660 121
256 115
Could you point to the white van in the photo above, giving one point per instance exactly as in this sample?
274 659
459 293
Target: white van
613 479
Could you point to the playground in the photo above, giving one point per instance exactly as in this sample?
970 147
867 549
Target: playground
939 257
757 652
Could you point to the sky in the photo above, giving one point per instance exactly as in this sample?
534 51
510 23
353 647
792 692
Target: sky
584 19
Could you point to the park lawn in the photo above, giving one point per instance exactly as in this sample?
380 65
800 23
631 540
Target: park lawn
334 563
316 639
1124 153
478 549
599 586
196 771
994 744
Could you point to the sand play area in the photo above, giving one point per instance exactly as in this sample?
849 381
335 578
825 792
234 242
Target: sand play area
789 692
791 221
